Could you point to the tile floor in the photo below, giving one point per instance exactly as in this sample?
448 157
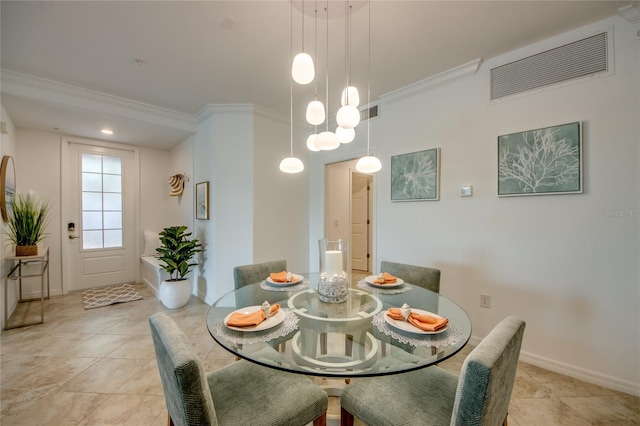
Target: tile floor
98 367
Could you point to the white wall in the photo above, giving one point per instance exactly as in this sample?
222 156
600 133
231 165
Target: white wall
223 156
38 169
155 169
7 147
181 161
560 262
281 218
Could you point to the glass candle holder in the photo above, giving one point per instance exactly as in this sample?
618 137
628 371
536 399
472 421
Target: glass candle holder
333 284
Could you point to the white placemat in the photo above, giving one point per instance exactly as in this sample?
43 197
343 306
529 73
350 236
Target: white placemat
362 284
289 324
450 336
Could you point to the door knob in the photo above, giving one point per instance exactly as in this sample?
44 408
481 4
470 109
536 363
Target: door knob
71 237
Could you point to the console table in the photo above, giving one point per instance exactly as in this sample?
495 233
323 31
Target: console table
17 267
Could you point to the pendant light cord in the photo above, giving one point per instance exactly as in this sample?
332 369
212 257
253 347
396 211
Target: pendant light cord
327 78
291 81
369 84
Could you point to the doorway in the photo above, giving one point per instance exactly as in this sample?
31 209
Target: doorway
349 211
99 209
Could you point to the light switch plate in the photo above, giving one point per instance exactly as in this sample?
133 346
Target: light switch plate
466 191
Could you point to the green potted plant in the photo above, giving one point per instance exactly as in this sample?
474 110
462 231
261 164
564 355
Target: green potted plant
176 253
28 219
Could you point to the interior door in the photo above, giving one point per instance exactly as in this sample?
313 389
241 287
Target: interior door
360 187
100 216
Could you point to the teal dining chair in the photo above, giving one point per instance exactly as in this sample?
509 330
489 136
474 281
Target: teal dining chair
422 276
434 396
249 274
241 393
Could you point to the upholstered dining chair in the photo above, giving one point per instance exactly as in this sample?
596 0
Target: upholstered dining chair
422 276
248 274
241 393
434 396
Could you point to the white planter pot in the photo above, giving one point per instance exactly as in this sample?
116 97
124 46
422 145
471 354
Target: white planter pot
175 294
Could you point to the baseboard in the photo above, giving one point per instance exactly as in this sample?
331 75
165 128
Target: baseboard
579 373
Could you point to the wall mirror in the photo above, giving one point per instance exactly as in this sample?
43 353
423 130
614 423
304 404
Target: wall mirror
7 185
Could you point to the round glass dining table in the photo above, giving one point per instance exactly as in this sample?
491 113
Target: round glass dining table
343 340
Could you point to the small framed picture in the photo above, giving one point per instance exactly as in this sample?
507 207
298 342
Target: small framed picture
542 161
202 200
416 176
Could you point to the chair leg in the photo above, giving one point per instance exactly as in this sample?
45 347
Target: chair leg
505 420
169 421
346 418
321 421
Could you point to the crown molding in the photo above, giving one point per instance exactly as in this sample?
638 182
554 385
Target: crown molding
454 74
631 12
210 110
52 92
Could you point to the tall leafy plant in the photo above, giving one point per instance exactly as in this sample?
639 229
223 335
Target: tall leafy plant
177 251
28 220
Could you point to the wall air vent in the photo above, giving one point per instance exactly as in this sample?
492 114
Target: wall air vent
581 58
368 113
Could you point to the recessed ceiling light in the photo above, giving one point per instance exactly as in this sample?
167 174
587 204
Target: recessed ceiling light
107 131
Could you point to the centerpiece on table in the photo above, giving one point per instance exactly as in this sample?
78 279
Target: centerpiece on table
177 251
28 219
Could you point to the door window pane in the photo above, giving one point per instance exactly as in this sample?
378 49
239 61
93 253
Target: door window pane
91 201
101 201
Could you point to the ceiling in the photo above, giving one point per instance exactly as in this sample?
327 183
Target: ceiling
146 68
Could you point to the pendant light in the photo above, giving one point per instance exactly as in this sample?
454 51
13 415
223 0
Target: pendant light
291 164
369 163
327 140
311 143
302 69
315 110
348 115
345 135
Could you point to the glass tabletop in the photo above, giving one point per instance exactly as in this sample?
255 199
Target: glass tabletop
351 339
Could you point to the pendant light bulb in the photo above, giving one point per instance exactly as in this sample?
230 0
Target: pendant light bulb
302 69
315 113
345 135
291 165
368 164
350 96
348 117
311 143
327 141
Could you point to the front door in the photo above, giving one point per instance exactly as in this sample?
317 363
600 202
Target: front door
99 214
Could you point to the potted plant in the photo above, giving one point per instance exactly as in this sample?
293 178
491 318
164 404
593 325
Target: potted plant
28 219
176 253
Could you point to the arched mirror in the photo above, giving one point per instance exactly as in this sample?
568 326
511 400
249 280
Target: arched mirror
7 185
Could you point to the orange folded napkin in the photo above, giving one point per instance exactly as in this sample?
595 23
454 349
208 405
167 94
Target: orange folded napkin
386 278
279 277
423 322
240 319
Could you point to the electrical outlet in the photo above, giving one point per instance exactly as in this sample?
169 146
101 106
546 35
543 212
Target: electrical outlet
485 300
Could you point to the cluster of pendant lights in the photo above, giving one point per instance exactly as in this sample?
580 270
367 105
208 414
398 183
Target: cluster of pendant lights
347 117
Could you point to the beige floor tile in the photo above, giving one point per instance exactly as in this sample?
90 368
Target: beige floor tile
603 410
542 411
100 345
136 347
46 372
105 376
14 401
127 410
145 382
72 407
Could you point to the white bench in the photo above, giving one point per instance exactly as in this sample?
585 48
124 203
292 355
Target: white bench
152 273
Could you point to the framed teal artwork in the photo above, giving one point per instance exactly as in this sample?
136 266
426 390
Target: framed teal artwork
416 176
540 162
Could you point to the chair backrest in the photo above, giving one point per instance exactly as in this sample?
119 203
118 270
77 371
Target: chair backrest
487 376
248 274
184 382
422 276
